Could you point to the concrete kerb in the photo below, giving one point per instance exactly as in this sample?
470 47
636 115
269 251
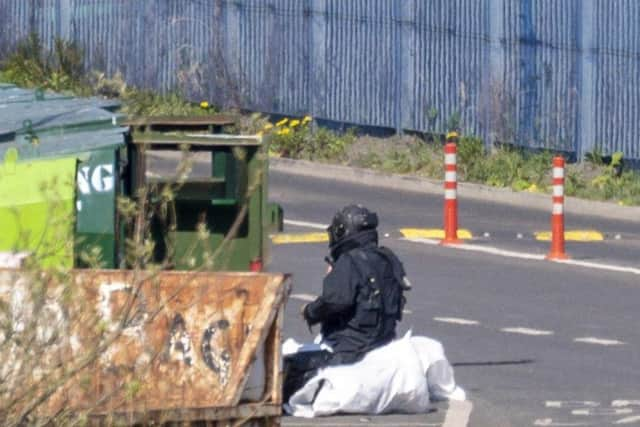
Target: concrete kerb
471 191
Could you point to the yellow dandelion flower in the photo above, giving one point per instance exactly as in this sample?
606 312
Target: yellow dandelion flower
306 120
268 126
294 123
452 135
285 131
204 105
282 122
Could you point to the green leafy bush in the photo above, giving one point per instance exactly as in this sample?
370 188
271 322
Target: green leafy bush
398 161
612 182
574 182
503 167
60 69
536 168
294 138
470 151
139 103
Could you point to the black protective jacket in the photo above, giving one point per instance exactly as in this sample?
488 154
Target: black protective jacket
362 298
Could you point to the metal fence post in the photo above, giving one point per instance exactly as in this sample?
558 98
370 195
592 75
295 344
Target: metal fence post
318 58
586 120
528 132
405 69
494 66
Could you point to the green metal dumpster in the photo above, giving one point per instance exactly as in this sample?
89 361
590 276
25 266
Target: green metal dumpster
41 125
36 208
228 202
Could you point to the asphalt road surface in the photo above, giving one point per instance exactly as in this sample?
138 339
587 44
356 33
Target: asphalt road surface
534 343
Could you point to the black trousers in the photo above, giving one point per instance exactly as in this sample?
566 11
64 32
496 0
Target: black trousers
301 367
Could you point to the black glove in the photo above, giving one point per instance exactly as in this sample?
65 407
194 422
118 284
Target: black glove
303 313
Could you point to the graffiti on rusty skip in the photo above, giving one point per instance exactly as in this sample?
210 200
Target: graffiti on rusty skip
218 362
179 344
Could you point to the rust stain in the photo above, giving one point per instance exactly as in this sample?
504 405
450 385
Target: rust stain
187 342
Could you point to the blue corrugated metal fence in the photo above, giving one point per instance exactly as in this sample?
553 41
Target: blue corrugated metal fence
562 74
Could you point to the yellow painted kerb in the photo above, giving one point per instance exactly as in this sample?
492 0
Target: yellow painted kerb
432 233
282 239
573 236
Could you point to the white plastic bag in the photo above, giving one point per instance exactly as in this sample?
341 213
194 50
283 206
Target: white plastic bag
392 378
437 369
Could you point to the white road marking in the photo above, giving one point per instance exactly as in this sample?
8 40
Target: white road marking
598 341
599 266
458 414
571 403
526 331
305 224
535 257
602 411
486 249
421 240
550 422
629 420
501 252
303 297
456 320
622 403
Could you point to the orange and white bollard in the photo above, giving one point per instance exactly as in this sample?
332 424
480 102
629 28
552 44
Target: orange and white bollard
557 216
450 191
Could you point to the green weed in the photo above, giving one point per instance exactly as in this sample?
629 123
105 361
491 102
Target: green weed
146 103
60 69
470 151
294 138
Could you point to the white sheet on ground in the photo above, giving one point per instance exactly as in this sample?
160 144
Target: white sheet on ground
402 377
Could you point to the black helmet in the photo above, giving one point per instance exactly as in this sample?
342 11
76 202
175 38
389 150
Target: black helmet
349 221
